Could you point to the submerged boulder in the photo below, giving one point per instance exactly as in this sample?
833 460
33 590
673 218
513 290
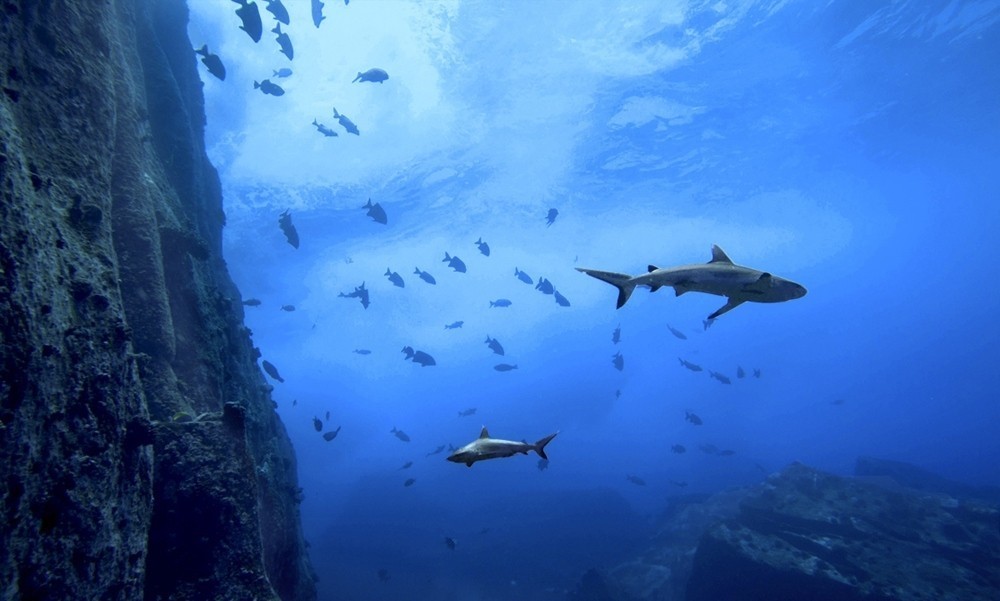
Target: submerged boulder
806 534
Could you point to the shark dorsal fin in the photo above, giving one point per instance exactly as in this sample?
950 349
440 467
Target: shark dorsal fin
485 433
651 268
719 255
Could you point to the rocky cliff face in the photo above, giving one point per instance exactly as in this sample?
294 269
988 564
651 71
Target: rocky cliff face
139 450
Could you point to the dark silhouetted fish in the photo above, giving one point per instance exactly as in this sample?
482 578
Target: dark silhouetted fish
360 293
383 574
212 62
551 217
709 449
317 12
689 365
726 453
616 336
454 325
717 376
619 361
409 481
693 418
838 402
500 302
543 464
269 88
635 479
400 435
494 345
678 448
483 247
677 332
373 75
424 276
284 42
420 357
454 262
707 323
252 302
467 412
449 542
395 278
679 483
438 450
288 308
362 351
504 367
545 286
618 393
250 15
318 424
523 276
276 8
283 72
346 124
756 372
291 234
323 129
739 372
407 465
271 370
561 300
376 212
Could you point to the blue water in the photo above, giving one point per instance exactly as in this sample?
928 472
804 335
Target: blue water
851 147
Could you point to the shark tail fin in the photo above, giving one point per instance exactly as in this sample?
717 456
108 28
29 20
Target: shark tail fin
622 281
540 445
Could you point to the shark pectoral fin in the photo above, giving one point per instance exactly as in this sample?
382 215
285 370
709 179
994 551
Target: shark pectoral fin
655 287
732 304
680 288
468 464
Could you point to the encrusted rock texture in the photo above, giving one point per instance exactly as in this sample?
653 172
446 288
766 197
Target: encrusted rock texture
140 453
897 533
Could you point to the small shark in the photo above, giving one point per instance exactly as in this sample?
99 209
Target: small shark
719 276
485 447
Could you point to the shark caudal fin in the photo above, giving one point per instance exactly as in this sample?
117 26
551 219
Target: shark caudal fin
621 281
540 445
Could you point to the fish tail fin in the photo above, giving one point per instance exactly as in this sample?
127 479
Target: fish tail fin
368 204
203 50
622 281
492 304
388 271
358 77
336 115
255 85
540 445
446 257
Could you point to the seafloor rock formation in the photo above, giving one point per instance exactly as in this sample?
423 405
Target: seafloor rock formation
117 315
806 534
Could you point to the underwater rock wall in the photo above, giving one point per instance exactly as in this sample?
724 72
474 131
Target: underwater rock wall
140 453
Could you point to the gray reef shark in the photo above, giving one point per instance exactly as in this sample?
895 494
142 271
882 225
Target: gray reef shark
719 276
485 447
